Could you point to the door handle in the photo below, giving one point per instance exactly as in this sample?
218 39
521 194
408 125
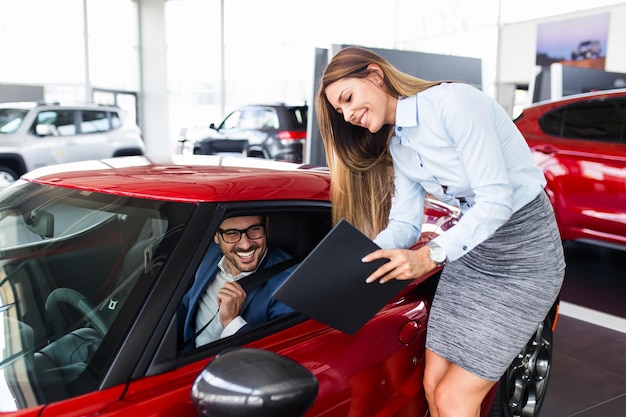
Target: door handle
547 149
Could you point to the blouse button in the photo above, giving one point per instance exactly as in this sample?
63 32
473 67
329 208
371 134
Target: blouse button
464 247
399 129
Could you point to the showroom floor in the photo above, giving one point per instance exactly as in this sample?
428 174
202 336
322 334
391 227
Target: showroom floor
589 360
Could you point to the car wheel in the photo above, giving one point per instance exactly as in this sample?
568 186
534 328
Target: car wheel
7 176
523 386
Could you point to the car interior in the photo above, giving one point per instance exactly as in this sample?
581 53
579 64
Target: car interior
298 233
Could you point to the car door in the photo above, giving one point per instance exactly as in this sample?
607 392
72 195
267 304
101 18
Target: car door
250 123
92 137
54 143
377 371
586 168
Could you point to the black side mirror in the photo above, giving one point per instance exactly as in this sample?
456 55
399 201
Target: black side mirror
253 382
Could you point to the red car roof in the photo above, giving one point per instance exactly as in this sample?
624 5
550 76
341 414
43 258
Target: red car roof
592 95
190 178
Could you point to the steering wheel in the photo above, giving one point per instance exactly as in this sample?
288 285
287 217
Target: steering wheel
77 301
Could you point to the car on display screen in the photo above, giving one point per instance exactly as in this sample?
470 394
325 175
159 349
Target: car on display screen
270 131
95 259
580 143
36 134
587 50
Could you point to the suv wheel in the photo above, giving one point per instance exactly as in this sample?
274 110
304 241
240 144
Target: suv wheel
522 389
7 176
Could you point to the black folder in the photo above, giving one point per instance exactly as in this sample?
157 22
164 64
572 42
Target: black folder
329 284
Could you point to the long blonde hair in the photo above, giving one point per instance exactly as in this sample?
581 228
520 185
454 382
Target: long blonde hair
359 161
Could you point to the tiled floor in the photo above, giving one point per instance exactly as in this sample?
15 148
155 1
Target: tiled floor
589 360
588 378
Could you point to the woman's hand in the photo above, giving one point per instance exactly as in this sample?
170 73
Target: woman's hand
403 264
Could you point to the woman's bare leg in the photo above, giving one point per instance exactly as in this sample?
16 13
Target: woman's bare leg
452 391
435 369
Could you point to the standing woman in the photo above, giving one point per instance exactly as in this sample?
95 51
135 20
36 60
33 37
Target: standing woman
390 138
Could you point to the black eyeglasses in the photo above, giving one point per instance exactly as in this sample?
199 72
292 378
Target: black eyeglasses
254 232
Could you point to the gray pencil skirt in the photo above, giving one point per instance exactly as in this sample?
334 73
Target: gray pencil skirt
490 301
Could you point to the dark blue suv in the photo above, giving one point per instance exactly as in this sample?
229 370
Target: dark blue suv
270 131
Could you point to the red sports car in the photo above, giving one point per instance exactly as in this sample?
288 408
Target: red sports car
96 257
580 142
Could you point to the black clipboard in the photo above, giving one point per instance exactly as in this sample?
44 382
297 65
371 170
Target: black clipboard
329 285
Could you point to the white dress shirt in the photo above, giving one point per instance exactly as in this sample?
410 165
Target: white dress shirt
458 144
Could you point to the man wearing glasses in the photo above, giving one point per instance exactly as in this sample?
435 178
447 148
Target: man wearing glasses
217 306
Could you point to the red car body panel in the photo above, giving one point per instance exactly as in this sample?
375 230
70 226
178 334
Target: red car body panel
342 378
586 178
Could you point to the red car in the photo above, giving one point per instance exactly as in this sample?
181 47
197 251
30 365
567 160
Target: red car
580 142
95 258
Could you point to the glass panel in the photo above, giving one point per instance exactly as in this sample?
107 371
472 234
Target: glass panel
69 263
232 121
266 119
595 120
62 121
94 121
11 119
115 120
552 122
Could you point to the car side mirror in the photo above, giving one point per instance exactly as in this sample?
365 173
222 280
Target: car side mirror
212 126
247 382
44 130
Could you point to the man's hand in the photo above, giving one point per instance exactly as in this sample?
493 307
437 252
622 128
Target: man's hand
230 299
403 264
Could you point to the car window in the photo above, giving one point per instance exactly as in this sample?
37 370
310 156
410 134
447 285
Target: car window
70 262
94 121
115 120
62 121
267 119
258 119
231 121
11 119
290 235
298 117
593 120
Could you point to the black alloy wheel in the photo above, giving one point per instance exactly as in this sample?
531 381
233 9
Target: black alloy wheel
523 387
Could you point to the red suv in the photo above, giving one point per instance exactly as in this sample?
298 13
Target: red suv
96 257
580 142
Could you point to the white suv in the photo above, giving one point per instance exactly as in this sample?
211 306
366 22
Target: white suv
33 135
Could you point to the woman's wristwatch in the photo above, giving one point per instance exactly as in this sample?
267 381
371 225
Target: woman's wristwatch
437 254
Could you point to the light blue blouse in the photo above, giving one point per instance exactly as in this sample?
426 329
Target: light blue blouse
455 142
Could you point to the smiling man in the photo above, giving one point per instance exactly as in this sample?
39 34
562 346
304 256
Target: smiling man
217 306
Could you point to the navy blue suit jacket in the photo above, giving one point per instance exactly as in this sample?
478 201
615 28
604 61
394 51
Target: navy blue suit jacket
260 306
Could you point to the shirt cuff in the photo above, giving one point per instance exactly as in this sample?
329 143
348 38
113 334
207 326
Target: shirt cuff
232 328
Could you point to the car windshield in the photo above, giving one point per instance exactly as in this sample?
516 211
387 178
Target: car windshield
73 265
11 119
